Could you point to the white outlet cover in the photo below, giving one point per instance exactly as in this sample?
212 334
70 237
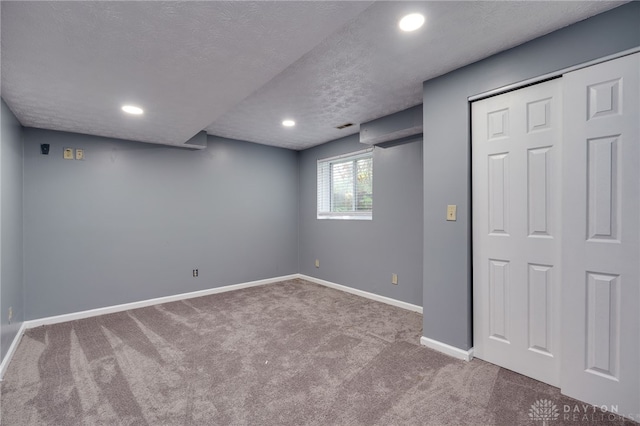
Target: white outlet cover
451 212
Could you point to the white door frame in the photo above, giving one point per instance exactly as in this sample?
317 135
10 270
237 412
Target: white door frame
548 76
521 84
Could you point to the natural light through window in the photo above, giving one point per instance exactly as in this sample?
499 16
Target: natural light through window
345 186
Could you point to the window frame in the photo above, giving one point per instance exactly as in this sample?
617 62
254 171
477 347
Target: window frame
324 183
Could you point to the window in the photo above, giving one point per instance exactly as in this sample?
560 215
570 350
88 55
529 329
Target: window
345 186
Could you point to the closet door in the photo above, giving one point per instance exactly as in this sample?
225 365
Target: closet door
516 229
601 235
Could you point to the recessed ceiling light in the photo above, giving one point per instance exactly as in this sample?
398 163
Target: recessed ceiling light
411 22
288 123
130 109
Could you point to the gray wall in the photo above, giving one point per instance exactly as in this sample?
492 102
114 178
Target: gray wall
447 291
132 220
363 254
11 264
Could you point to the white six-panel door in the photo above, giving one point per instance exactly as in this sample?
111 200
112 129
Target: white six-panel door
516 229
601 231
561 159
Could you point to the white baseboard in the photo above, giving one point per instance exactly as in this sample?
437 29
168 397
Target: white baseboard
465 355
159 300
362 293
149 302
12 349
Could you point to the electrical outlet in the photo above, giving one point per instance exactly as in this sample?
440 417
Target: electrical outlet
68 154
394 279
195 273
317 263
451 212
79 154
10 314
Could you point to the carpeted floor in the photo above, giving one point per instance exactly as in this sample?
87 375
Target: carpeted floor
291 353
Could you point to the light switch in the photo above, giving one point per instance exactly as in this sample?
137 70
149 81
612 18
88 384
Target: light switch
451 212
68 154
317 263
79 154
394 279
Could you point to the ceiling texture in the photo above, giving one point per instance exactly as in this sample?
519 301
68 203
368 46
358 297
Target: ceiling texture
237 69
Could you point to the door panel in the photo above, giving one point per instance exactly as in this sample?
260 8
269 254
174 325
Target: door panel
601 235
516 239
538 182
498 194
540 320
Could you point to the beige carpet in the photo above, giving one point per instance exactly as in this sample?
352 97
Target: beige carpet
291 353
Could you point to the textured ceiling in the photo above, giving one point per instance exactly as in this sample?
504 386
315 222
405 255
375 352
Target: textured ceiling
237 69
369 69
71 65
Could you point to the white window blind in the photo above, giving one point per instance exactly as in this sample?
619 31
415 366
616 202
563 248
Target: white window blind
345 186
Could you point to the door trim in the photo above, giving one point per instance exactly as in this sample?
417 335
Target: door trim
549 76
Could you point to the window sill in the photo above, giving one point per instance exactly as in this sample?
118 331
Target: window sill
345 217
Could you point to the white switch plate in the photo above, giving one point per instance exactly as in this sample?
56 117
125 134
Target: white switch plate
451 212
317 263
394 279
68 154
79 154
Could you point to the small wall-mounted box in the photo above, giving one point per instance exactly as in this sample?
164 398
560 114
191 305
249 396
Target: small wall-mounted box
451 212
67 154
